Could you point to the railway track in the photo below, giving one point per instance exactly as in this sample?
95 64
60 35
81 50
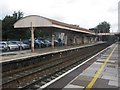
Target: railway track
40 74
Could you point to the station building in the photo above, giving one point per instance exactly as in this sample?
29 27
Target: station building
70 34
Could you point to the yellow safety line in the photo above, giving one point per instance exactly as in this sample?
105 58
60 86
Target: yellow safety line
90 85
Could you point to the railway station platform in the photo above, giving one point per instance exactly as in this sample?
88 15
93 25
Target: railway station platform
10 56
101 71
102 74
93 69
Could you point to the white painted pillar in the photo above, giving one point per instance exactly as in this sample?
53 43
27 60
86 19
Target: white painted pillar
59 35
83 40
32 38
89 39
65 40
74 40
92 39
52 40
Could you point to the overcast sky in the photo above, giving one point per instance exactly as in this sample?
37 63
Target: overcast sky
86 13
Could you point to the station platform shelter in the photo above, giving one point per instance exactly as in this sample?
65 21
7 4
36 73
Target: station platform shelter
68 33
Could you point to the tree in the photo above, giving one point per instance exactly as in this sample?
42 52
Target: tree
15 15
93 29
7 26
103 27
8 31
18 15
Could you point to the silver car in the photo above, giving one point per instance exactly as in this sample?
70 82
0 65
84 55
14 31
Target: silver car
3 46
21 45
12 46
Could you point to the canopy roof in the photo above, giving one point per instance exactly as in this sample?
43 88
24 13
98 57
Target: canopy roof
39 21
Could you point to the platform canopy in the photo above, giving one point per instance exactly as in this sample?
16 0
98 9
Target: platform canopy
39 21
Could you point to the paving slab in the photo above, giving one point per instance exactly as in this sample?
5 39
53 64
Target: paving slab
110 74
84 78
111 65
80 82
111 69
70 86
102 83
101 60
111 61
113 83
88 73
115 57
103 57
108 77
96 65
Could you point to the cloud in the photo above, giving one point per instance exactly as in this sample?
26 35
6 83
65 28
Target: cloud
57 17
86 13
71 1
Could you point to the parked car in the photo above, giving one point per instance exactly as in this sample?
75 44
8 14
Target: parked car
26 42
40 42
48 43
21 45
3 46
56 43
12 46
24 46
36 43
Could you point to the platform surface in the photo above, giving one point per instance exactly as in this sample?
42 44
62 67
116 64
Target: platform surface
106 67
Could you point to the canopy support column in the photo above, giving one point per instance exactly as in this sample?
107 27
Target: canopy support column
74 40
52 40
65 40
32 38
